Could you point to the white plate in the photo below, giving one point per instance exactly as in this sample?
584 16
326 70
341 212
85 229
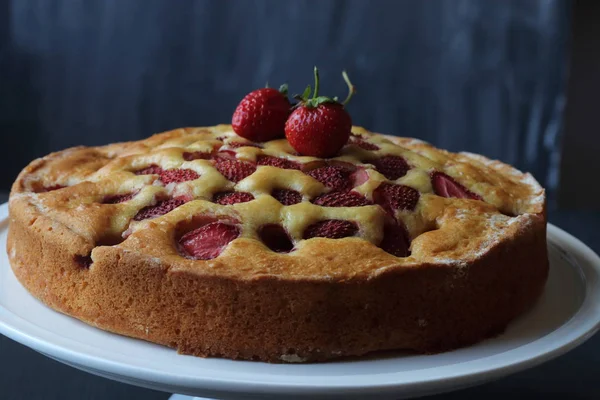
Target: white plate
567 314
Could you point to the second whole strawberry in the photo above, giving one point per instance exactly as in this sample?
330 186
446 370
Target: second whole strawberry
319 126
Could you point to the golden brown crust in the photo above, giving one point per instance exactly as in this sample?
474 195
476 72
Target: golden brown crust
471 271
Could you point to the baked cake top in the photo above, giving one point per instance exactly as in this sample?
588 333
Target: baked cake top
383 202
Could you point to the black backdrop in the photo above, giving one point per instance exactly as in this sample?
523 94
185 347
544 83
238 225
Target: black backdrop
469 75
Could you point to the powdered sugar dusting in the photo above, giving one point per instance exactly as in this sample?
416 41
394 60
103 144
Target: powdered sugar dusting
524 178
411 141
15 196
450 261
529 180
496 226
292 358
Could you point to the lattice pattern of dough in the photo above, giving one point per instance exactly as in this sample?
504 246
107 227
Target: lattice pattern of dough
87 182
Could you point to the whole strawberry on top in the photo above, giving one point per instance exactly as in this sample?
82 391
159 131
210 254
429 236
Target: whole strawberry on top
319 126
261 115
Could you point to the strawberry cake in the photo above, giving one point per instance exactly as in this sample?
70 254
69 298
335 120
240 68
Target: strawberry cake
201 240
233 241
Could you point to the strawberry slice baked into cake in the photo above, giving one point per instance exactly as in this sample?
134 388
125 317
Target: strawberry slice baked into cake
288 236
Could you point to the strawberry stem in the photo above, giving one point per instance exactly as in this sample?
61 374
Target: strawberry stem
283 89
351 88
316 100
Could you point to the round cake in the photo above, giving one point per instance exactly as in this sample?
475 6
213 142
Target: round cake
204 241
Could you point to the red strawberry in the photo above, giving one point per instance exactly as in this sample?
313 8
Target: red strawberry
118 198
151 170
84 262
360 142
275 238
52 188
209 241
229 198
359 177
226 154
261 115
234 170
318 132
392 167
319 126
396 197
337 178
235 145
277 162
341 199
395 240
178 176
196 155
445 186
332 229
286 197
161 208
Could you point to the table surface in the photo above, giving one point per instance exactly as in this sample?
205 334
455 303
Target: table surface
25 374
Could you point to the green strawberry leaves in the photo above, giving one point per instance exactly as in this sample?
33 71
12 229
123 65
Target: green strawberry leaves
316 100
283 89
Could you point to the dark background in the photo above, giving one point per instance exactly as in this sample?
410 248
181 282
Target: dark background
482 76
515 80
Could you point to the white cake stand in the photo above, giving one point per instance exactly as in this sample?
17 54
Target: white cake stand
567 314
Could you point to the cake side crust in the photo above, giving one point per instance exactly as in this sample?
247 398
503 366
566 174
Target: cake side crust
427 309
